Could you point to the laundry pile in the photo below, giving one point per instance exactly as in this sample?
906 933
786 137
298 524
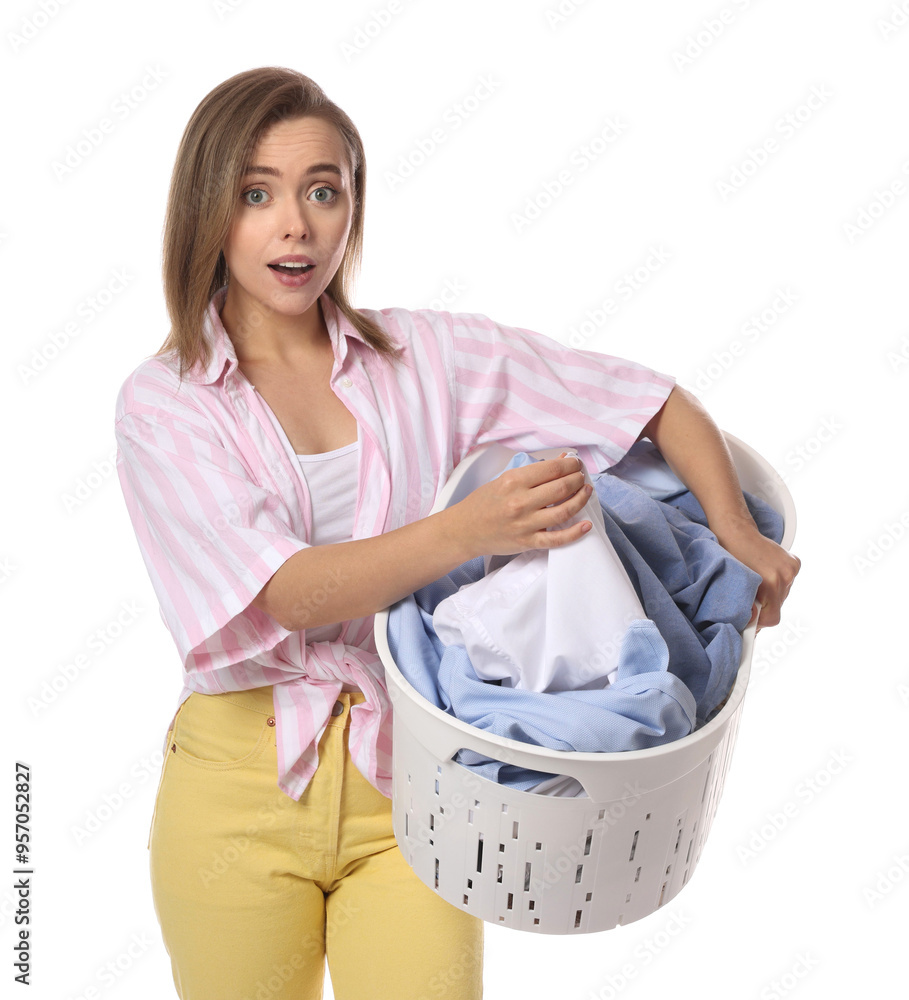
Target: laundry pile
626 639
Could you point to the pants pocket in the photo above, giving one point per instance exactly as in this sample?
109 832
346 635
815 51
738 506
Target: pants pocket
168 753
216 732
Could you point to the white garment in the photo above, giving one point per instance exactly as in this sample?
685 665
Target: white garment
548 619
331 477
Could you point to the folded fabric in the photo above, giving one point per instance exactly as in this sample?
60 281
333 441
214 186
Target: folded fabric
697 597
551 619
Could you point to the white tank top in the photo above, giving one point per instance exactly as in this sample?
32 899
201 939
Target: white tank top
331 477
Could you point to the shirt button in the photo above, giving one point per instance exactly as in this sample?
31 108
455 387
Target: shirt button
346 382
338 708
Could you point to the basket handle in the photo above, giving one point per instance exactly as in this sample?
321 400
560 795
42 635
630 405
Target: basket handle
646 769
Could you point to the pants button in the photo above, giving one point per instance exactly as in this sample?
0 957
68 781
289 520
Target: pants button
338 708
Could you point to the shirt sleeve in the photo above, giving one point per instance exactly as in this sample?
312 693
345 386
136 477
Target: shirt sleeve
209 535
529 392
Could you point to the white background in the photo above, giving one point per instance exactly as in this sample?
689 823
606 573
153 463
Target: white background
817 903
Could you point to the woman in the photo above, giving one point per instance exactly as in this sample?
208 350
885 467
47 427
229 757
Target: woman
279 457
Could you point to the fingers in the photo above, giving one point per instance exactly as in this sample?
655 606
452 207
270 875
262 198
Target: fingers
560 510
769 615
561 536
552 481
549 470
774 590
558 514
540 497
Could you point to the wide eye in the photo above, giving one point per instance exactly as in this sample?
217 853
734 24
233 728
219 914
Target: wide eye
324 194
254 196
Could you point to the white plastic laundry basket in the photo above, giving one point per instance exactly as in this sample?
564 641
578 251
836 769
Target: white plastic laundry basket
559 865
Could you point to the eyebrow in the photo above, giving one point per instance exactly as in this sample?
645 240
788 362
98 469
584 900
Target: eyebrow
316 168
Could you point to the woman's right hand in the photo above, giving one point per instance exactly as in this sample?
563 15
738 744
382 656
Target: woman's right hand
513 512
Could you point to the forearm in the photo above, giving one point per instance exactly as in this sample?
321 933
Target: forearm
324 584
696 451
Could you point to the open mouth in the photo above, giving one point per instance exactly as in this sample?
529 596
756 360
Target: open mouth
292 268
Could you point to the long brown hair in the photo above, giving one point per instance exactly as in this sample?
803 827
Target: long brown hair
216 147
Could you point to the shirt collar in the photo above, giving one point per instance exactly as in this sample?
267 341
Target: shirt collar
224 356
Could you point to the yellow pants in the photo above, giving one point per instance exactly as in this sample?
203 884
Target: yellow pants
254 890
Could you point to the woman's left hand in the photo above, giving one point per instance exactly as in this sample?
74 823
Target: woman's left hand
776 567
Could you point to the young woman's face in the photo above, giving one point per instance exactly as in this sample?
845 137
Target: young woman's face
295 205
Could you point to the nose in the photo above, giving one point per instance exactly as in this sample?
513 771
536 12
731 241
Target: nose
294 221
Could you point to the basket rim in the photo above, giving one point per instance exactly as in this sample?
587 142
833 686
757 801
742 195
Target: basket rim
711 729
549 754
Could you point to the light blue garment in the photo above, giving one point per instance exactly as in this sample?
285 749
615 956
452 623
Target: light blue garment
674 669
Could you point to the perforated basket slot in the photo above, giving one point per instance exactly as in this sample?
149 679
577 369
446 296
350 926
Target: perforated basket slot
617 819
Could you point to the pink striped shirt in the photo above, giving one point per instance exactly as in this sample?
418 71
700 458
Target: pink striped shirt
218 501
